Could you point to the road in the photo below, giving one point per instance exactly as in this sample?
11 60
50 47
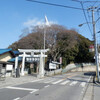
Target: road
70 86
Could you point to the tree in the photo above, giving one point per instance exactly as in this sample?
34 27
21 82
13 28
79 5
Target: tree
14 46
62 42
84 55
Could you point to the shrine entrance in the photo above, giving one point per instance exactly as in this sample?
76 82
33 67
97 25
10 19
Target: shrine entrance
32 55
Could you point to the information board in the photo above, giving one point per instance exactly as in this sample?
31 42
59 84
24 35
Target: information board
52 66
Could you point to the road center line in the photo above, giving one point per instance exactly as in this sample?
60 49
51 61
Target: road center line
70 76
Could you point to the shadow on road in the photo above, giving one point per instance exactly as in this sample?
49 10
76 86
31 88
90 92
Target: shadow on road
83 78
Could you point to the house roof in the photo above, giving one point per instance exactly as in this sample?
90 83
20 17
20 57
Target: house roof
16 52
3 51
3 62
13 59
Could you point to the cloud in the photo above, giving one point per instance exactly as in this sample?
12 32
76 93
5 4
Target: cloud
32 22
35 22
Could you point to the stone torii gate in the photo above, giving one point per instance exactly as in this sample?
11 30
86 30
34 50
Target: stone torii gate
31 53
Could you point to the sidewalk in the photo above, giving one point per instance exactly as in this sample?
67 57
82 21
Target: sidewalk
15 81
96 90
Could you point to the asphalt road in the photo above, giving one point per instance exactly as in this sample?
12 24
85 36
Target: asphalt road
70 86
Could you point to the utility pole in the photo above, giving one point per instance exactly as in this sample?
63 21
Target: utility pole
95 42
92 9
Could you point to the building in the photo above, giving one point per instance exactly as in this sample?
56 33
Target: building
5 66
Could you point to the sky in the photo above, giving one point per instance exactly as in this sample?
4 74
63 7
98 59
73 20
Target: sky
16 15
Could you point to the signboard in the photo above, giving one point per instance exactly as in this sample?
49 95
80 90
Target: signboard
60 60
33 59
9 67
52 66
91 48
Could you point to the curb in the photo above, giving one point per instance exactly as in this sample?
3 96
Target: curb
88 92
94 80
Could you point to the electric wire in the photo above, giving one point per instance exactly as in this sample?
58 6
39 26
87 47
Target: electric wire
98 5
53 4
98 14
86 18
89 17
91 1
95 3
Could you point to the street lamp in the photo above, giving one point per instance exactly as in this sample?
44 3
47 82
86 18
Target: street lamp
83 24
45 25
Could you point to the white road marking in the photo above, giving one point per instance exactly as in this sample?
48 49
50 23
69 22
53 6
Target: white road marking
65 82
37 80
57 82
73 83
33 91
83 84
17 98
17 88
44 80
49 81
47 86
89 78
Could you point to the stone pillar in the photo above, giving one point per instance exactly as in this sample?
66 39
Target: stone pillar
23 64
37 68
16 63
41 67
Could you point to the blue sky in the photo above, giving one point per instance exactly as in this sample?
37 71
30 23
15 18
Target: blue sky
15 15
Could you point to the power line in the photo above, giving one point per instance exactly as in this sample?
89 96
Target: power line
81 2
86 18
98 14
98 5
53 4
95 3
91 1
88 15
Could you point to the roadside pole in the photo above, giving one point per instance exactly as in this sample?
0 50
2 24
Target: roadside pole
95 44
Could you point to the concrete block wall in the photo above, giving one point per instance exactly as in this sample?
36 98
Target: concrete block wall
84 69
78 67
55 72
87 67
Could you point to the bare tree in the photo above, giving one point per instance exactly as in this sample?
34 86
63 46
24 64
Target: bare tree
58 39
